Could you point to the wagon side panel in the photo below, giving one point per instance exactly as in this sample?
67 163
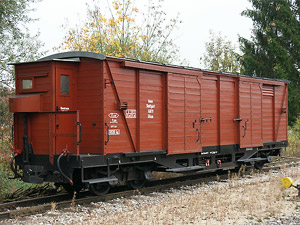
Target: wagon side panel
184 114
33 96
268 113
250 114
228 111
90 105
134 108
176 120
281 115
209 109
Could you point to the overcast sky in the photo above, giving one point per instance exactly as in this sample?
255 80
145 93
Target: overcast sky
197 16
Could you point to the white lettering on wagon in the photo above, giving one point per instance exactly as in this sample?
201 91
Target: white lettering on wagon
64 108
113 124
130 113
114 132
150 106
113 121
113 115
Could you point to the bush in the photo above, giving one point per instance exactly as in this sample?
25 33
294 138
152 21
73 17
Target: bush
294 140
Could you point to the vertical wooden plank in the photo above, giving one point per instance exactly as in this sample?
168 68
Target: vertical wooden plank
151 110
184 113
175 113
261 113
268 113
118 95
219 109
209 109
192 115
274 114
238 109
53 86
256 115
138 112
52 140
245 114
165 110
280 109
228 129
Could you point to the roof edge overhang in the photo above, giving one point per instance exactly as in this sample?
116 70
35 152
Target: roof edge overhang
73 54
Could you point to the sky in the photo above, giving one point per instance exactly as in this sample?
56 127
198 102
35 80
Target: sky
198 18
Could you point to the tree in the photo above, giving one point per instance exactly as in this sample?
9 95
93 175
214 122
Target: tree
125 32
6 120
220 55
16 45
15 41
274 48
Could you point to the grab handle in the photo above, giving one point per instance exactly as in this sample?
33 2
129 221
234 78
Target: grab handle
107 140
79 124
198 135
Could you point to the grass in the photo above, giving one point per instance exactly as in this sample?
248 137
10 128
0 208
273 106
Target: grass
7 185
293 150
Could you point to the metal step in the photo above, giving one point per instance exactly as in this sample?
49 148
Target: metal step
101 180
185 169
215 169
253 160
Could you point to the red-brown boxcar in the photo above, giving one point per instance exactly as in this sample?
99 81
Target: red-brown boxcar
82 118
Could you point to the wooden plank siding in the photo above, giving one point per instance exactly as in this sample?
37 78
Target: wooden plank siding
130 106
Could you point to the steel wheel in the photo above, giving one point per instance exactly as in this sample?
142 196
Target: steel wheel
99 188
259 165
136 184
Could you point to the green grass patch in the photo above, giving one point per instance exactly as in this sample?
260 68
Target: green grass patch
293 150
8 186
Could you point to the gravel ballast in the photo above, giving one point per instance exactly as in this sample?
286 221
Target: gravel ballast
255 199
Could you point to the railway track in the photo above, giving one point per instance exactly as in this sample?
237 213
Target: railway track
60 201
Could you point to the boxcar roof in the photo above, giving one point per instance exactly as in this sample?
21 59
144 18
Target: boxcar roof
74 56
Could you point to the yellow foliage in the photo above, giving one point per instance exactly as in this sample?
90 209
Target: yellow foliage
119 33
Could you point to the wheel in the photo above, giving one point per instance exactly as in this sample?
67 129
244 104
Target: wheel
99 188
259 165
71 188
136 184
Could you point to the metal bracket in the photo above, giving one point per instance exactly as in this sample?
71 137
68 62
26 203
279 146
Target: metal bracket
245 128
110 82
206 119
237 120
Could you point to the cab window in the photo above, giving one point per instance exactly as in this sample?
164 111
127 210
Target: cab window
27 84
64 84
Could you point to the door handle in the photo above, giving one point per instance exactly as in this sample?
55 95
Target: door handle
237 120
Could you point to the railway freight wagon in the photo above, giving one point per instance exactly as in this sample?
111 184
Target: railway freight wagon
83 119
